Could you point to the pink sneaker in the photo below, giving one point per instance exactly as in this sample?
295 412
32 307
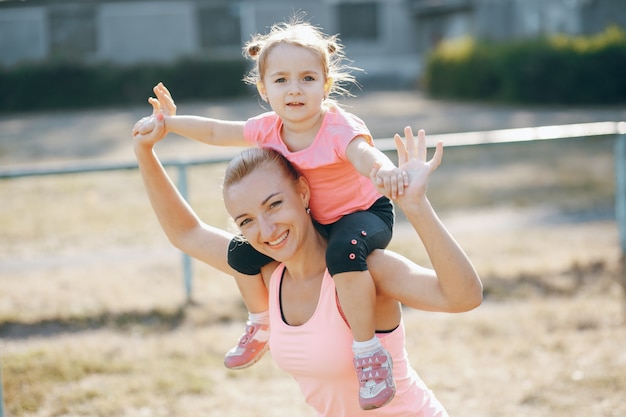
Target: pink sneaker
376 384
251 347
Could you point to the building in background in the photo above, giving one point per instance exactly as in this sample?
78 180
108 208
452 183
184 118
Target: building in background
386 38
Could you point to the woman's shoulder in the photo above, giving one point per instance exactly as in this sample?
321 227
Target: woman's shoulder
271 269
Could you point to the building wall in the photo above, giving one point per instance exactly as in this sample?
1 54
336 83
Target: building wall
140 32
597 14
23 35
161 31
386 38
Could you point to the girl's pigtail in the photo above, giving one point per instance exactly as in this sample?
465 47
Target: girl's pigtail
332 47
254 50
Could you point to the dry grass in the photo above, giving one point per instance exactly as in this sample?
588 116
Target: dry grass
93 323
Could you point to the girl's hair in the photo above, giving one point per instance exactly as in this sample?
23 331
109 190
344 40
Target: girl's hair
300 33
250 159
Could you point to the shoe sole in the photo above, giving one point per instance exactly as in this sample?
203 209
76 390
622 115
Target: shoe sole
252 362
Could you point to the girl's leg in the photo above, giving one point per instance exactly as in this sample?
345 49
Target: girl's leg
351 239
254 342
357 297
253 292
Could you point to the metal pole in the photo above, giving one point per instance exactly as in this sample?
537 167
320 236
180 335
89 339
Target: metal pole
187 272
620 207
1 394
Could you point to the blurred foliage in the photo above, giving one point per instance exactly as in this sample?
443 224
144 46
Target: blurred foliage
63 85
555 69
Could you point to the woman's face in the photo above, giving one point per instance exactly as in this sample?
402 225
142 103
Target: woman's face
270 211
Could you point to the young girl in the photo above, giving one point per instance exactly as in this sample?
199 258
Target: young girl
297 68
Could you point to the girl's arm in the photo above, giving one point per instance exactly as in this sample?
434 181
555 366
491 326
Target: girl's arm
203 129
179 222
389 179
453 284
207 130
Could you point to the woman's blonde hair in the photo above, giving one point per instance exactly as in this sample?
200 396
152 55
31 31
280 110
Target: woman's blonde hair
300 33
250 159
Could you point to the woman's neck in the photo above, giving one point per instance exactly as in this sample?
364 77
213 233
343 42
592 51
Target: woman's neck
310 260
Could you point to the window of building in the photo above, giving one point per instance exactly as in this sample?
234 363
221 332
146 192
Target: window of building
358 21
219 26
72 32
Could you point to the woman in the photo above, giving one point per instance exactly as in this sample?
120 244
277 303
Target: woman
310 339
299 71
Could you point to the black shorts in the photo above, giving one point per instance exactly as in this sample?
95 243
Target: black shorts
350 240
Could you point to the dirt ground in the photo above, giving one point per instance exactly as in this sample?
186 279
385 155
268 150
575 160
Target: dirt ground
93 319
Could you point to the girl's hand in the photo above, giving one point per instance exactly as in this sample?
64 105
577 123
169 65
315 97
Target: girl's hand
163 100
412 161
390 181
163 105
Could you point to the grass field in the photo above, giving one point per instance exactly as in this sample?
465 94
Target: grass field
93 317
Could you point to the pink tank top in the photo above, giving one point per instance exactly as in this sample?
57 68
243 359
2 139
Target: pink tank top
318 355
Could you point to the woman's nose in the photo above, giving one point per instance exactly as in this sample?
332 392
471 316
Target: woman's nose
266 229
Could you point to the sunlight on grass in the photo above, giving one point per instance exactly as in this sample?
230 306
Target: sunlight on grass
29 377
94 321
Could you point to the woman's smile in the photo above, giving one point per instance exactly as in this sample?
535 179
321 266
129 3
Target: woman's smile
278 241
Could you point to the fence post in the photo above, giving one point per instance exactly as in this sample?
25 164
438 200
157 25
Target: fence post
620 207
1 393
187 272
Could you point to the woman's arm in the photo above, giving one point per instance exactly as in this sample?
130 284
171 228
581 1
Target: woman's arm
453 285
179 222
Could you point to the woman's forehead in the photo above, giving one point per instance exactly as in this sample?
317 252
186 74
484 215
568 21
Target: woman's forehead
256 187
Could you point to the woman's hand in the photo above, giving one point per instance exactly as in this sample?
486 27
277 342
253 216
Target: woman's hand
162 106
454 285
151 129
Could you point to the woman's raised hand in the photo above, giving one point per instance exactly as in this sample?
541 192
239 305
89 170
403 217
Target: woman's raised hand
162 106
412 160
151 129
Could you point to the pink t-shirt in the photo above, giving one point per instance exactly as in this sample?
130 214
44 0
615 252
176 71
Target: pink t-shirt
318 354
337 188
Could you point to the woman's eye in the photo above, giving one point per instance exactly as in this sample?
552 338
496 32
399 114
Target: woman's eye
275 204
244 222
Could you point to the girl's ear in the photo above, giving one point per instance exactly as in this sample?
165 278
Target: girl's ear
328 85
260 87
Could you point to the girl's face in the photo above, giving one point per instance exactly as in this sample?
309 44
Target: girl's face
294 83
270 211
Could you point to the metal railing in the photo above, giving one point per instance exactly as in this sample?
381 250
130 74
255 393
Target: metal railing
386 144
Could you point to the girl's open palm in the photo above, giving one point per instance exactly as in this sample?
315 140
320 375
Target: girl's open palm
163 105
163 101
